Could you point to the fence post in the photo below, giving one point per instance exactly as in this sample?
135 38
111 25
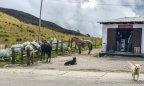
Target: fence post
69 43
75 45
57 46
62 46
22 54
95 43
51 42
5 46
13 55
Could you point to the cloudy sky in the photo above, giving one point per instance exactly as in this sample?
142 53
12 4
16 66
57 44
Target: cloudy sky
81 15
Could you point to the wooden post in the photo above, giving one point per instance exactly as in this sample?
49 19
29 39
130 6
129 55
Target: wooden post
69 43
5 46
57 46
95 43
13 56
51 42
62 46
75 45
22 54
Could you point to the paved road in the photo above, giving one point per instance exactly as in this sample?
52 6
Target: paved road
34 77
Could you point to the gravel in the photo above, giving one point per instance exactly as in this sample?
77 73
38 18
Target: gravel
86 63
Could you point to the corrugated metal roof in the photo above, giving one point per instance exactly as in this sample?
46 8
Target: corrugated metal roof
124 20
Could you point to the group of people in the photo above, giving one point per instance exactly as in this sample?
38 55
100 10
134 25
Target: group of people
128 42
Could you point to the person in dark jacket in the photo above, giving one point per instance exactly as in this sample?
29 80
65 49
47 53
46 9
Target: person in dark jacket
118 39
130 39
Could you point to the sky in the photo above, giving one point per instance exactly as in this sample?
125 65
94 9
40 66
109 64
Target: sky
79 15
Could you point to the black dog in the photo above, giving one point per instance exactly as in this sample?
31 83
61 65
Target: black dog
72 62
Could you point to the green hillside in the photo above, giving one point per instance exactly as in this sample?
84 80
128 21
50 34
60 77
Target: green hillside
14 31
30 19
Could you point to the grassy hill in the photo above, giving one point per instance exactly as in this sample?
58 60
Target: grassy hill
30 19
14 31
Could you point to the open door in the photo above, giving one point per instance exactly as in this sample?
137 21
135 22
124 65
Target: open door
137 37
111 38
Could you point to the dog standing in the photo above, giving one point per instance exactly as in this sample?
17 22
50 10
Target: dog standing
72 62
135 70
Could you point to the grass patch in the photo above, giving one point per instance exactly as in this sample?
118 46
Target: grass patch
37 56
96 55
3 64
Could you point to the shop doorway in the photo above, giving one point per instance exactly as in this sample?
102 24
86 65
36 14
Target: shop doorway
125 33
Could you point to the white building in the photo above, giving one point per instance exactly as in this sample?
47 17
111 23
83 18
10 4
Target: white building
125 25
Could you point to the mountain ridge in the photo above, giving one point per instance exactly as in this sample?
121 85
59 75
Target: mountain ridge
30 19
14 31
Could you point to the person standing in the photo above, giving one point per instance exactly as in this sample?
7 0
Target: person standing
130 39
118 39
120 43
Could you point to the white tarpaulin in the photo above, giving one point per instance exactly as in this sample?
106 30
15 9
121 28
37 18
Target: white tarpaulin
17 47
5 52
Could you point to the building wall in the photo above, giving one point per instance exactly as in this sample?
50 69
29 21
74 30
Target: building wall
104 34
142 40
104 38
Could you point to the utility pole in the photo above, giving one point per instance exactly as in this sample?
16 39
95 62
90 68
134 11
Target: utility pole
39 22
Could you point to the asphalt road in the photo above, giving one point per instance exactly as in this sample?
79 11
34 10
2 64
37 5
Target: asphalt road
33 77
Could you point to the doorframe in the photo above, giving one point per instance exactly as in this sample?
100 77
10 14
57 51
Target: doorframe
112 38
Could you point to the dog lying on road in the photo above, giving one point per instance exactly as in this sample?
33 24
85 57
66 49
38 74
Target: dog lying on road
135 70
72 62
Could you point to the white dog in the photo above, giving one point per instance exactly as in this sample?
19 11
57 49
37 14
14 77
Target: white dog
135 70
